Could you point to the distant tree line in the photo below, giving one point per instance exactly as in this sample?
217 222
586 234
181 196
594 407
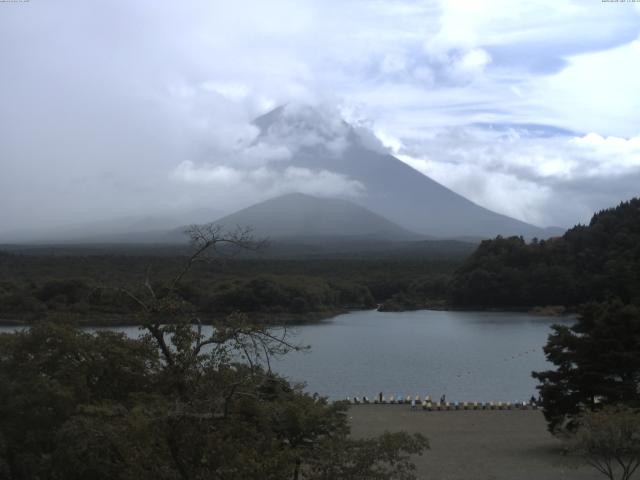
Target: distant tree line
588 263
33 288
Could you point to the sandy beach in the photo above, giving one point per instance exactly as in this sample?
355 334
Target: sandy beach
476 444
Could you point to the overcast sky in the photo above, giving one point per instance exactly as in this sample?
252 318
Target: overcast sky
121 107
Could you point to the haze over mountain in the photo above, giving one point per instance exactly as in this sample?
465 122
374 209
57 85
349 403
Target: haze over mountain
133 229
365 192
501 102
297 215
380 181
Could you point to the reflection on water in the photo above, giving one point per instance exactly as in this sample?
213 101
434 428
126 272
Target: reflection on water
468 356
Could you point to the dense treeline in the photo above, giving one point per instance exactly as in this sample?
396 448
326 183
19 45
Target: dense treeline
37 287
588 263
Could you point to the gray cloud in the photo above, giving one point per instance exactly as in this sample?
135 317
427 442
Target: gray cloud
528 173
104 104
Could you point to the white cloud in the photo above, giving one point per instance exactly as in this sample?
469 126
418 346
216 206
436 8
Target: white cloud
616 145
470 65
554 180
595 92
100 103
264 182
321 183
233 91
188 172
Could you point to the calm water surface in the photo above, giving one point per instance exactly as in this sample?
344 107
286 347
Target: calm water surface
468 356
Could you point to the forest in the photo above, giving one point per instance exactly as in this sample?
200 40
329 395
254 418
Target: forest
588 263
88 287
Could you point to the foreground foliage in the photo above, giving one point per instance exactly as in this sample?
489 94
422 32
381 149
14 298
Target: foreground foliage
609 439
176 403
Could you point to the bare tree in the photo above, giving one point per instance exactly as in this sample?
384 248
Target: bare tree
176 327
609 439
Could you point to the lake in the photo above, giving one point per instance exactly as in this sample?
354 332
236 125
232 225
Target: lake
468 356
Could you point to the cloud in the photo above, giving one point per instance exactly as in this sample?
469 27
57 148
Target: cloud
101 104
188 172
254 165
470 64
609 154
595 92
305 126
268 181
545 180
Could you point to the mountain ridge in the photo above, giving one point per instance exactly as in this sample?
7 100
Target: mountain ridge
403 202
298 215
394 189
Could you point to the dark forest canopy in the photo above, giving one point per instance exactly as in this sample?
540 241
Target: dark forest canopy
36 287
588 263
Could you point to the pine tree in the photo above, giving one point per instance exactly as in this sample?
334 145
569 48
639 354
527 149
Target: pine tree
597 363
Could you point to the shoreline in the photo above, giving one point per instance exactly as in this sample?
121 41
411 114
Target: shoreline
274 319
546 310
280 319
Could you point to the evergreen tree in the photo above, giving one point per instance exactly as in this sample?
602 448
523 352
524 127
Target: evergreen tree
597 363
588 263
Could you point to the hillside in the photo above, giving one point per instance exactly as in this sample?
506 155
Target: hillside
589 262
391 188
304 217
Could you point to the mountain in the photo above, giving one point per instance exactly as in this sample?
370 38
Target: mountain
391 188
381 199
304 217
